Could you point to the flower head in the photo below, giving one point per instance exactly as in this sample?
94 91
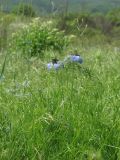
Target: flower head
55 65
49 66
76 58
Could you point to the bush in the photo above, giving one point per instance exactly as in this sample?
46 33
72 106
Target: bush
71 22
102 23
114 17
34 39
25 10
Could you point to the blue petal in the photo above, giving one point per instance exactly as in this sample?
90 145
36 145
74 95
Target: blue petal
56 66
49 65
75 58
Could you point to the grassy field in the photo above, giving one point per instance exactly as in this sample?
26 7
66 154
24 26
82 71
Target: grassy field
69 114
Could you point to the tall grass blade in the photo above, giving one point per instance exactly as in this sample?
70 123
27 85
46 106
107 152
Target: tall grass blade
3 67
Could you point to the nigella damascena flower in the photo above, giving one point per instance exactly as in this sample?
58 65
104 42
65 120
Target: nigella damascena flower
55 66
76 58
49 66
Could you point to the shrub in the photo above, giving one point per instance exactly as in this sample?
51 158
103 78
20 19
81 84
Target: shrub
25 10
102 23
116 32
114 17
76 22
34 39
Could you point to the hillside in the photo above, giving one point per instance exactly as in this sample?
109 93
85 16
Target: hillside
47 6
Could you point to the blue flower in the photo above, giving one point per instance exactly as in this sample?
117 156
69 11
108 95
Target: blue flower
55 66
49 66
76 58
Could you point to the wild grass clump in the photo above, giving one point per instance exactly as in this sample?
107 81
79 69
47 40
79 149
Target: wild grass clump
5 21
35 38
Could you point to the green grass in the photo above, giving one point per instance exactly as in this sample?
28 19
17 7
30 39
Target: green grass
65 115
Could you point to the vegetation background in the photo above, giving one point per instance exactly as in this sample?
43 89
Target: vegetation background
74 5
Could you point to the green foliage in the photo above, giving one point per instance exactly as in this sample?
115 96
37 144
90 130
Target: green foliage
25 10
5 21
116 32
34 39
99 23
74 22
114 16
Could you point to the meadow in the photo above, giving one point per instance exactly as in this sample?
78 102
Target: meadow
68 114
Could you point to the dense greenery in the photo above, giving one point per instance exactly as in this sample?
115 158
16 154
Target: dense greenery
37 37
90 24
